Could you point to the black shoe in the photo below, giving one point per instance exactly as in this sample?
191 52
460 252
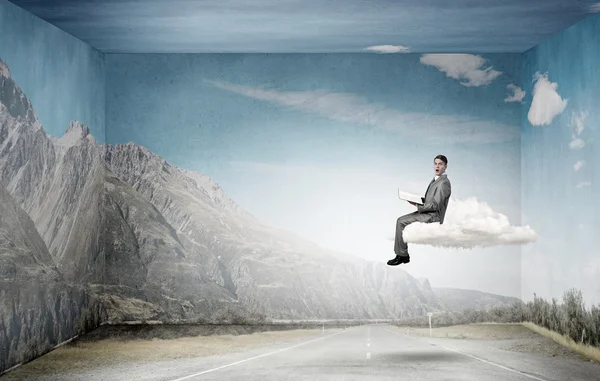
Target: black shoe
399 260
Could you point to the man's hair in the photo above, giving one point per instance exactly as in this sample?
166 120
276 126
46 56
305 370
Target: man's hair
442 158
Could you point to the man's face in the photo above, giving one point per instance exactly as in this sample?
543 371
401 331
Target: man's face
439 167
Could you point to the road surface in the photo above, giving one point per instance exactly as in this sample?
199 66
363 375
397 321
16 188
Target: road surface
370 352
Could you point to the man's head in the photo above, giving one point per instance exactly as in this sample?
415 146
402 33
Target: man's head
439 164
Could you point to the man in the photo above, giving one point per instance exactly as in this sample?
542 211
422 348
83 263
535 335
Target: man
433 209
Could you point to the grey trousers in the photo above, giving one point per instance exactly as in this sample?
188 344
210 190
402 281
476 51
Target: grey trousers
400 247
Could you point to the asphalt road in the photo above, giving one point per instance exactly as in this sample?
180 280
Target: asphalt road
373 352
381 352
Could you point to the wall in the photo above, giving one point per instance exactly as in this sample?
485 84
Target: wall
560 121
52 96
317 145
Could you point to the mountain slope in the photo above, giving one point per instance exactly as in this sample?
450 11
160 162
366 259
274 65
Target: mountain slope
37 308
150 274
272 272
458 300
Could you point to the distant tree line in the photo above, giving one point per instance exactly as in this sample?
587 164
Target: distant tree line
570 318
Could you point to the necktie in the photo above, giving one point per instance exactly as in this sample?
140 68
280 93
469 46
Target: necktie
429 186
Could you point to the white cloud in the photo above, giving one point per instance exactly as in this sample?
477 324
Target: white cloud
546 103
594 8
576 143
468 224
584 184
351 108
576 122
579 164
389 49
517 95
466 67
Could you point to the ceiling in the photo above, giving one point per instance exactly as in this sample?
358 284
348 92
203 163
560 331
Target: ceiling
311 26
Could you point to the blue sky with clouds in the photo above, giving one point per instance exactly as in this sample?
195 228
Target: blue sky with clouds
432 26
560 173
273 107
319 144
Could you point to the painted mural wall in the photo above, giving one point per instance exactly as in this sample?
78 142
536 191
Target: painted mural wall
274 179
51 123
560 173
244 187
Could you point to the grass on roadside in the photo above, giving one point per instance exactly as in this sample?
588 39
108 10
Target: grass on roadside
588 351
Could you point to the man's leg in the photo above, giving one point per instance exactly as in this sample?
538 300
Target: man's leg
400 246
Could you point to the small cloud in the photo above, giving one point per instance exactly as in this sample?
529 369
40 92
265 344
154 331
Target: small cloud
576 143
389 49
577 126
466 67
594 8
546 103
517 96
469 224
579 164
576 122
584 184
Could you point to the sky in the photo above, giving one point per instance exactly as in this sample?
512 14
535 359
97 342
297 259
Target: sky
560 172
319 144
311 26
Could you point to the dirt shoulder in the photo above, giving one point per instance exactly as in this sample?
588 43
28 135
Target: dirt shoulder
478 332
128 346
512 337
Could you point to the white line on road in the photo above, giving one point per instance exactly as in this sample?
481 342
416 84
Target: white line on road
477 358
491 363
368 355
255 357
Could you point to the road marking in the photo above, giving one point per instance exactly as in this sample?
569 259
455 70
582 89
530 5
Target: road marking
477 358
492 363
255 357
368 355
368 344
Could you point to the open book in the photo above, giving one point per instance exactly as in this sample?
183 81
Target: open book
410 197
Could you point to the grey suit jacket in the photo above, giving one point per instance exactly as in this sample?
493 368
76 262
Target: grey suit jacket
436 199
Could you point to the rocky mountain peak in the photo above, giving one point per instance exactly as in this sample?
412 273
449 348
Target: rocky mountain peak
13 99
4 72
78 129
424 282
76 133
135 153
133 162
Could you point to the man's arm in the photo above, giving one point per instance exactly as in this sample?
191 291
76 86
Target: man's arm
432 206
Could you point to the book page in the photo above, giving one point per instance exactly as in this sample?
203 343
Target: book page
410 197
